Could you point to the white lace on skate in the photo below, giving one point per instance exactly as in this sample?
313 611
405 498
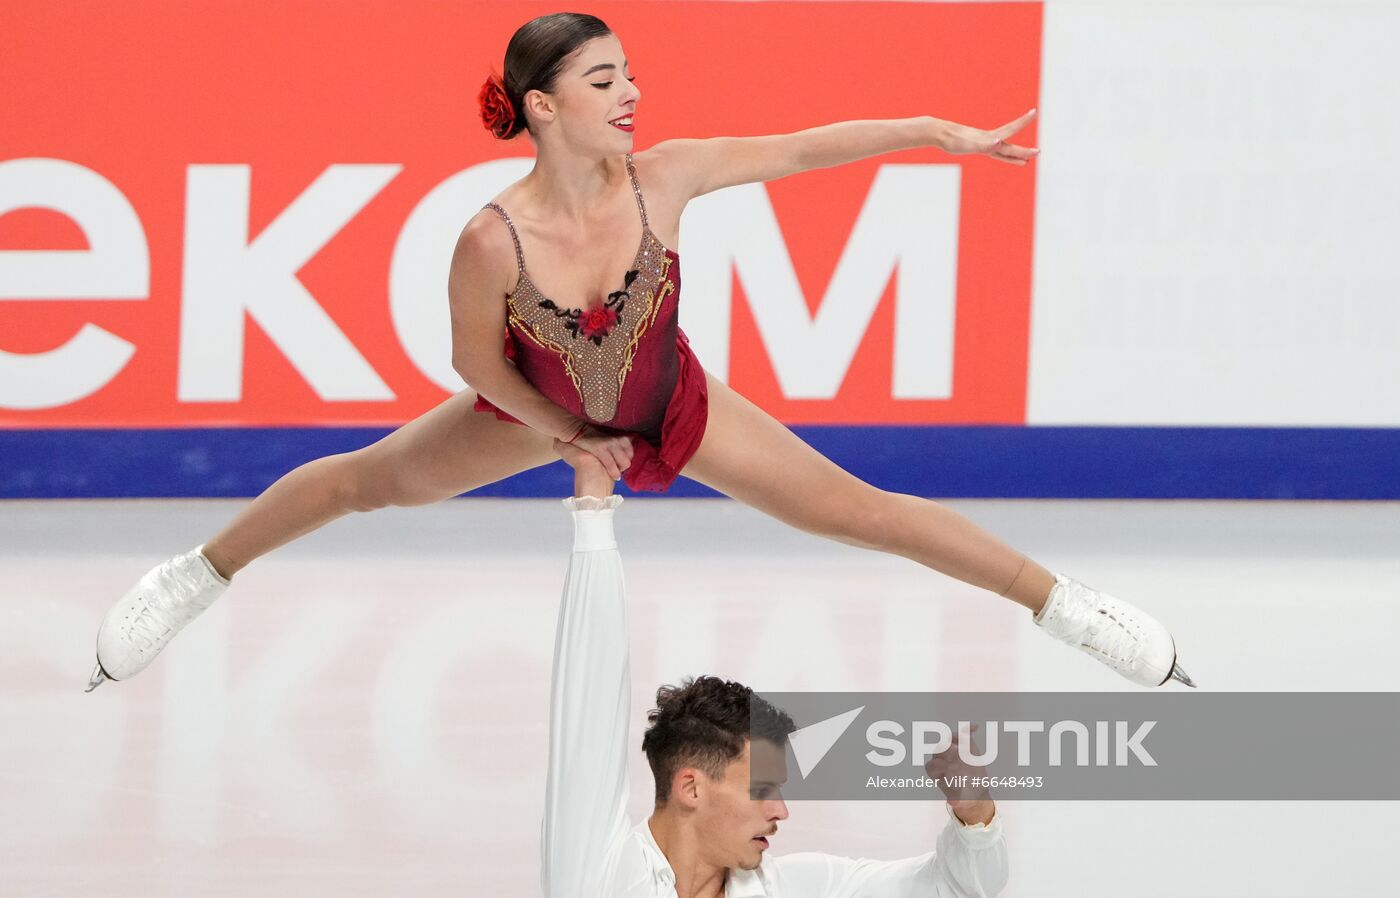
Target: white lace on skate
143 622
163 610
1095 623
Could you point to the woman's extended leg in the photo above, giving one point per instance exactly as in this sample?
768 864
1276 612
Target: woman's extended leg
751 457
442 453
449 450
748 455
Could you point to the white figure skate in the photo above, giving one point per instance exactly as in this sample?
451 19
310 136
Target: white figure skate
168 597
1123 637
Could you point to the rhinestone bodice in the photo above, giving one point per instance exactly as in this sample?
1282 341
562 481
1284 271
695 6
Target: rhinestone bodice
600 348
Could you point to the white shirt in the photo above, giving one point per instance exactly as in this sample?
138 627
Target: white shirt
591 849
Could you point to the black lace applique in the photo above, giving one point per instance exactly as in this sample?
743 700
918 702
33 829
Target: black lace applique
595 324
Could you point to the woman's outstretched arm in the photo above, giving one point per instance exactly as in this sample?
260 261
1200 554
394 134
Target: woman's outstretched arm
705 165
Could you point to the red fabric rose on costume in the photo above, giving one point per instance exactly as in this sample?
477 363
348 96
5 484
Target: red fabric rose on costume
497 114
595 324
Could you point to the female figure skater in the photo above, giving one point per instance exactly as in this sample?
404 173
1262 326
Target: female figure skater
573 265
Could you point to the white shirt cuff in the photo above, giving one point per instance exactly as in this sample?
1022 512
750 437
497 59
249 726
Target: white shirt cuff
976 835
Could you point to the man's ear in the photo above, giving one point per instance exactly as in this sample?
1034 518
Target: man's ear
686 787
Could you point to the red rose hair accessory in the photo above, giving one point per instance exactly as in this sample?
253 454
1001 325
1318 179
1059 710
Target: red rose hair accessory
497 113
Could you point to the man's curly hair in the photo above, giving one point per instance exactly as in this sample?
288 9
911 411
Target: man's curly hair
704 723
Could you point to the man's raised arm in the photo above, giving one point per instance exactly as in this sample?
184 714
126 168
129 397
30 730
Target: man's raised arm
586 789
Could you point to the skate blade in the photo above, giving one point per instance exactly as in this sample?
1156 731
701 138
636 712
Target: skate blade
98 677
1181 676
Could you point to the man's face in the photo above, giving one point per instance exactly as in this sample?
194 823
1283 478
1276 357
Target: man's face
735 821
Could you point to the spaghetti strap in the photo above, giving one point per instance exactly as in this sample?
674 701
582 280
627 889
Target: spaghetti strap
515 238
641 203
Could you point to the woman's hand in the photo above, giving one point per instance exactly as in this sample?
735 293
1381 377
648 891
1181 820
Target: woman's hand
962 139
613 452
590 477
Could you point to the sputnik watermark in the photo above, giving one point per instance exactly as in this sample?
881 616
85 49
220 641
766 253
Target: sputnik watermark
1090 746
1113 742
931 737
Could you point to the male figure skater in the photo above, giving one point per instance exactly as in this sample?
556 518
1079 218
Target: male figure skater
708 835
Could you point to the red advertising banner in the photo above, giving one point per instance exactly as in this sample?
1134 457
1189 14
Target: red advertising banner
236 213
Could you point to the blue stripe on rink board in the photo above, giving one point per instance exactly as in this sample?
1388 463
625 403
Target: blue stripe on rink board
946 462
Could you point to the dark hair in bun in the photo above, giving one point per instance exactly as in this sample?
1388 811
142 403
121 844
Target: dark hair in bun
534 57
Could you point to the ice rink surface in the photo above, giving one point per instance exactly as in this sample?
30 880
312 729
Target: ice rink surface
364 712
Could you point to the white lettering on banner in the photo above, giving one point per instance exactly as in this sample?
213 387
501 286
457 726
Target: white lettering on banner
907 227
115 266
423 254
226 276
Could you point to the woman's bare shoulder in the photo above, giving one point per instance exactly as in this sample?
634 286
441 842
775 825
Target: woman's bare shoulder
666 162
665 174
485 252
